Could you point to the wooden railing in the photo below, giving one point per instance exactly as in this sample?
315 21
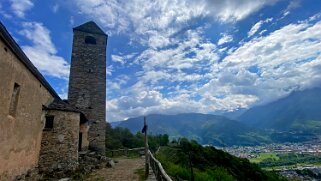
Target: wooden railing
126 151
150 160
158 169
156 166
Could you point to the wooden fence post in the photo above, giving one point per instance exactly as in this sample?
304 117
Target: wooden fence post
146 149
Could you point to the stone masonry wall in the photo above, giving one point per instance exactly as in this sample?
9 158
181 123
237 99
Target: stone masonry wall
87 84
59 145
84 131
20 134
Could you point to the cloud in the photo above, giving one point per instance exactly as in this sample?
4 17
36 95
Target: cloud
272 66
19 7
71 21
117 58
109 70
4 13
43 52
169 69
191 77
55 8
158 41
231 10
292 5
257 26
147 102
122 59
153 22
225 39
179 69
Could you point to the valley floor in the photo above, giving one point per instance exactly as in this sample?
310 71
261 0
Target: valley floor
290 159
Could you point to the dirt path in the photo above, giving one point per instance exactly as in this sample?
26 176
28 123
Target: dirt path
124 170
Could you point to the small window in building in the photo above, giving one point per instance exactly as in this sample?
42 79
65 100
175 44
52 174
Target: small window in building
49 122
5 49
90 40
14 99
90 71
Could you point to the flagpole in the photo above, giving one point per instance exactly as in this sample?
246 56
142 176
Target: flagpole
146 148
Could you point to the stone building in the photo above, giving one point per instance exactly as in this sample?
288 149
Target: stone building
37 128
61 137
87 84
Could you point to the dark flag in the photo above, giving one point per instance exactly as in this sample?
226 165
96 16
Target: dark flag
144 129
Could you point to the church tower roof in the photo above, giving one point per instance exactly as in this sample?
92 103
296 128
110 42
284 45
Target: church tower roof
90 27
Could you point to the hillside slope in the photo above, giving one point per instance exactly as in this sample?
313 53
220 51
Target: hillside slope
208 164
204 128
298 111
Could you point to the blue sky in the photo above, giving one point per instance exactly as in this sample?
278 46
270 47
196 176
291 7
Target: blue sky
176 56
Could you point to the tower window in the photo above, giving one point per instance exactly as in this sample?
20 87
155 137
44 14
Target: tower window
49 122
90 40
14 99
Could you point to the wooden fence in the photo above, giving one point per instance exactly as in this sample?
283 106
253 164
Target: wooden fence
126 151
158 169
150 160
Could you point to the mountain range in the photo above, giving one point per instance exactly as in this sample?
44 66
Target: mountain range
294 118
301 110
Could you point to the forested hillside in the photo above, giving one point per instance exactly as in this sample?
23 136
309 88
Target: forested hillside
188 160
205 128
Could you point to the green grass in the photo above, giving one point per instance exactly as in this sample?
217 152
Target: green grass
141 173
264 156
288 160
211 165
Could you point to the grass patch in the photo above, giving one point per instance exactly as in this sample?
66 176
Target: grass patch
141 173
291 160
264 156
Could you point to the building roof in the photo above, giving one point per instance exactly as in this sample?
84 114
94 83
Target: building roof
61 105
58 104
90 27
11 43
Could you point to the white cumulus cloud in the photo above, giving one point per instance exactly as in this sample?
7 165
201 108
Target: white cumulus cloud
19 7
153 22
43 52
271 67
225 39
257 26
259 71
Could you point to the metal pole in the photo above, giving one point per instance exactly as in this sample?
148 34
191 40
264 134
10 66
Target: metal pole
146 149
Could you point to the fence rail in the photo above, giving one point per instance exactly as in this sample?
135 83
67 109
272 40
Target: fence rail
158 169
125 151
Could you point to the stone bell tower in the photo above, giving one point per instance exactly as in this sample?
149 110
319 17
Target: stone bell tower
87 83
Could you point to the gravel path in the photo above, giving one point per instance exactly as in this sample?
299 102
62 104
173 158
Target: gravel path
124 170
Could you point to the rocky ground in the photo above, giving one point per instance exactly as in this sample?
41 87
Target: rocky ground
123 170
94 167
